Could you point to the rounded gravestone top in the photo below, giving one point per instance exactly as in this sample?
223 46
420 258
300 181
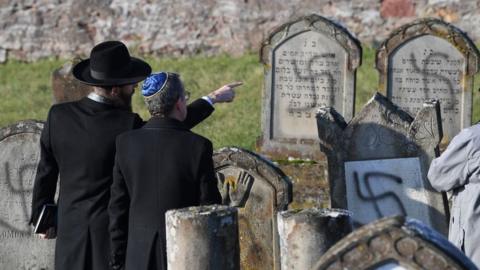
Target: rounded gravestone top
19 157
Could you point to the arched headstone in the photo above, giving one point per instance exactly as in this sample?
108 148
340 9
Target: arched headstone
259 189
19 156
430 59
309 62
394 243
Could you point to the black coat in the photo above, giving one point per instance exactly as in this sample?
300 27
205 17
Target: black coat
78 144
159 167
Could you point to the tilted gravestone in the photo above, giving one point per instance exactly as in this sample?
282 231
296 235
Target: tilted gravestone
309 62
394 243
65 87
259 189
19 156
378 163
430 59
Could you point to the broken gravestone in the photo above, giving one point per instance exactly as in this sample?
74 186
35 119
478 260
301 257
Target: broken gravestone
259 189
308 62
394 243
65 87
19 156
430 59
378 163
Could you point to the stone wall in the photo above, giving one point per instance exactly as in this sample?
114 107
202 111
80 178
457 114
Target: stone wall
32 29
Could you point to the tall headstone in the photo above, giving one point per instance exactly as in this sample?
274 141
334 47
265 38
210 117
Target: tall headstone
378 163
430 59
65 87
309 62
19 156
394 243
259 189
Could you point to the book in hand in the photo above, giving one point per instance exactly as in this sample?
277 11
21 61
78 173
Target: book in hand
47 219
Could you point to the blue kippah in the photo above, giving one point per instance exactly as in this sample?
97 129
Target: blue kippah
154 83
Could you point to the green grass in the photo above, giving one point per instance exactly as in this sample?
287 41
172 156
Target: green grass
25 91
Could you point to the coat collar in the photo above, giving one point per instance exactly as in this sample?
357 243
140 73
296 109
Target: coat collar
99 106
165 122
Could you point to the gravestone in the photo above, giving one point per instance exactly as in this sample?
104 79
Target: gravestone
394 243
19 156
259 189
65 87
378 163
430 59
309 62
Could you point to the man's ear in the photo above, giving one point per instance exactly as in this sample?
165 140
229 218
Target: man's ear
115 91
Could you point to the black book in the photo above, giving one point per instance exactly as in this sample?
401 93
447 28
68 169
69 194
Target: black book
47 218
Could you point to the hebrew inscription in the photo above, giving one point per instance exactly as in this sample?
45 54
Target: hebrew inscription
426 68
308 73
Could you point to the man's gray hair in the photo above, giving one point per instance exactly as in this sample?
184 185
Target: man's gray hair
163 102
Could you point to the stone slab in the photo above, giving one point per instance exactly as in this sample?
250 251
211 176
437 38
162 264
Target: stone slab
382 131
430 59
394 243
65 87
19 156
309 62
386 187
259 189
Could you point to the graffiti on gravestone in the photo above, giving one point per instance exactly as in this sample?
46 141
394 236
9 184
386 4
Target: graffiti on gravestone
19 156
259 189
309 62
430 59
388 187
378 163
394 243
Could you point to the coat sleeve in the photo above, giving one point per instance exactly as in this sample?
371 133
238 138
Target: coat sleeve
459 164
118 210
45 183
197 111
209 193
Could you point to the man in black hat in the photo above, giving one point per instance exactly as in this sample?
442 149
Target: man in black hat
78 144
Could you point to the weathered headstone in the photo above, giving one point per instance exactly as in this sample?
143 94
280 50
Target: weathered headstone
307 234
430 59
204 237
377 164
65 87
19 156
394 243
259 189
309 62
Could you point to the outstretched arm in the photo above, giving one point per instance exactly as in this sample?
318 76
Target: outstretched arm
201 108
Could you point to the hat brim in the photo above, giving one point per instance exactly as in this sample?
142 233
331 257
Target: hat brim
139 71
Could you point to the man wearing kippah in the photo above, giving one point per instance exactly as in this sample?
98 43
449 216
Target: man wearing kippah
159 167
78 148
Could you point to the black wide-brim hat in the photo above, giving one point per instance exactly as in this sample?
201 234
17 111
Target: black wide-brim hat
110 64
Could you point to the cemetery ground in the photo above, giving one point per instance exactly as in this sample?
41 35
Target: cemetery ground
26 92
